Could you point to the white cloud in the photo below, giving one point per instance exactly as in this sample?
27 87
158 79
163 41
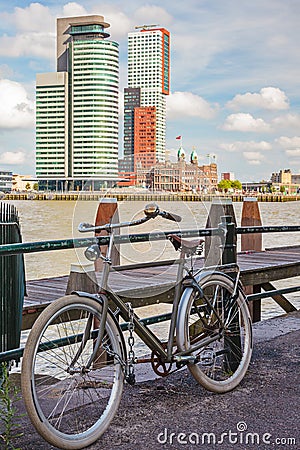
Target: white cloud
287 121
245 122
120 24
16 109
152 14
12 158
41 45
34 28
295 152
287 142
34 18
239 146
72 9
186 104
254 158
290 144
270 98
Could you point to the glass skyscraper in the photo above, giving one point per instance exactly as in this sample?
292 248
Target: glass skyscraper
149 73
77 109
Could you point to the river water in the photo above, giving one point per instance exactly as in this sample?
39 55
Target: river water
52 220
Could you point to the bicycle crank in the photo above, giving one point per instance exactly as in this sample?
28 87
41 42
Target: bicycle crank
159 366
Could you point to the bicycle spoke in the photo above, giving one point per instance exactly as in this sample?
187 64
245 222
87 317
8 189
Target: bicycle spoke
217 333
64 399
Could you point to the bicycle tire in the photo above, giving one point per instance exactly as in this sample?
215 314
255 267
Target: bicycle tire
71 411
222 364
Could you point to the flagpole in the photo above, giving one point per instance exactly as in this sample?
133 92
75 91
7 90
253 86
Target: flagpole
180 140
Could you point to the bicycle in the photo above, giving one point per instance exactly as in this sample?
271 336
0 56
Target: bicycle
75 360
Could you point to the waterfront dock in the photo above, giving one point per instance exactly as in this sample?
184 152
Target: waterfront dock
146 284
147 196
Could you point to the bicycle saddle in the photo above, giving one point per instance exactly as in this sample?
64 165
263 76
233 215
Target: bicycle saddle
189 246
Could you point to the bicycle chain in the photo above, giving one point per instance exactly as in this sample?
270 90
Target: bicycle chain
130 375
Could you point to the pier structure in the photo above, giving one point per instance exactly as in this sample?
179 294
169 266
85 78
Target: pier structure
142 196
149 283
154 282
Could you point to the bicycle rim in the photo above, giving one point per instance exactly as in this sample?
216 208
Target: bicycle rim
221 364
71 408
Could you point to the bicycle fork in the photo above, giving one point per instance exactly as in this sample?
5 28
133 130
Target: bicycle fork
85 338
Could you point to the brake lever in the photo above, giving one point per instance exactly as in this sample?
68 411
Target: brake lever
170 216
85 227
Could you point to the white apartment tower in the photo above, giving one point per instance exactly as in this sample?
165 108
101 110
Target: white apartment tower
77 109
149 70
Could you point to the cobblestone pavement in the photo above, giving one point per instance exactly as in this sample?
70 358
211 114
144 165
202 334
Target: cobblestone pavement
176 413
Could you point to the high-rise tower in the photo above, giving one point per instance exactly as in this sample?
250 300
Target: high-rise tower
148 71
77 108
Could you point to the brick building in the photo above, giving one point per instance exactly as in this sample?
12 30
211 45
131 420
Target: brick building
183 176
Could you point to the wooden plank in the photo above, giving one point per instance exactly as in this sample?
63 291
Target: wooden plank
267 274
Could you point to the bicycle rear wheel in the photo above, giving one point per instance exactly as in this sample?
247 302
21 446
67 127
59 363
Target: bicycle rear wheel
72 408
216 329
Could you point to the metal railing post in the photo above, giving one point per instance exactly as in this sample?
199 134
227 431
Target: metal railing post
229 254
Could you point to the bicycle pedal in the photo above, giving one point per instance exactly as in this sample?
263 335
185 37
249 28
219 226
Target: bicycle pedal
207 357
183 360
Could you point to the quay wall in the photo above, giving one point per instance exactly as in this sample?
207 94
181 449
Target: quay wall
125 196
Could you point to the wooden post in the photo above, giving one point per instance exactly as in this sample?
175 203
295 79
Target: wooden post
252 242
107 213
82 278
213 251
251 218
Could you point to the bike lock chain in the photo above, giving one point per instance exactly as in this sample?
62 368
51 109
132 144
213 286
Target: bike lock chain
131 360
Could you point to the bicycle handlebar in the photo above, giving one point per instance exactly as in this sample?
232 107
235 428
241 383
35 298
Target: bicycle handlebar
151 211
170 216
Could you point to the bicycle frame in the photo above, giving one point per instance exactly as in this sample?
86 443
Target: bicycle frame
85 361
141 329
148 337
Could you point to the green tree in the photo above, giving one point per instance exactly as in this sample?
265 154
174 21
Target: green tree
236 184
36 186
282 189
224 185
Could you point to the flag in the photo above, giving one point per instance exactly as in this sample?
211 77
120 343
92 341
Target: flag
178 137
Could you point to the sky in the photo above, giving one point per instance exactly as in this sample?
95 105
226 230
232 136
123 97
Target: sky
235 77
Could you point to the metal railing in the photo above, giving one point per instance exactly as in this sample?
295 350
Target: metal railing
227 231
12 281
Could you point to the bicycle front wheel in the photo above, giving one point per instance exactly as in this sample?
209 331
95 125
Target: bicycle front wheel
216 329
69 404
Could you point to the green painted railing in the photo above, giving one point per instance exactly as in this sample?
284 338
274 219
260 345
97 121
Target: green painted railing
63 244
13 248
12 280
